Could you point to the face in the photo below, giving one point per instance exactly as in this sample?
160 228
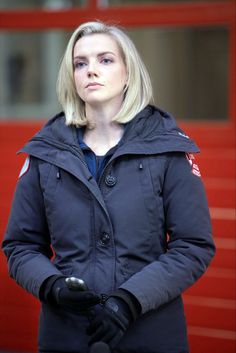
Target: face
99 71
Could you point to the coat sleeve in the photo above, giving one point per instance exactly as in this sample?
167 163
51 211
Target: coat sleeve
190 247
27 240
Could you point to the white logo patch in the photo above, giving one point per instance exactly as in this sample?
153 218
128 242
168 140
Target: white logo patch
182 134
25 167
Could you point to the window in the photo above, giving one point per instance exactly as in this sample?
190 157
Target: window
145 2
29 65
188 67
34 4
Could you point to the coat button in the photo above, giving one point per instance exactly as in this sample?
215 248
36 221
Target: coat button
105 239
110 180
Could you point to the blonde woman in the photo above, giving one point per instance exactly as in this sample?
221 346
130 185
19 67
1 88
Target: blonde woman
111 185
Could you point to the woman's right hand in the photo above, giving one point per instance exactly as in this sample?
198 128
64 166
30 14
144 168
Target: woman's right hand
75 299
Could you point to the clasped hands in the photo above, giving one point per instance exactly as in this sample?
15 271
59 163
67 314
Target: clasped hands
117 313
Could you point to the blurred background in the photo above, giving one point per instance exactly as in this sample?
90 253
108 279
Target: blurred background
189 48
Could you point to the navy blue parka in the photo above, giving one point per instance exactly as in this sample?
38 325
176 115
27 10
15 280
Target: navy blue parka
144 227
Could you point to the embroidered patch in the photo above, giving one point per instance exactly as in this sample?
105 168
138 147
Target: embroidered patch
195 169
25 167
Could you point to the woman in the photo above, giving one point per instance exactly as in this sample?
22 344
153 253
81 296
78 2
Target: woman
111 189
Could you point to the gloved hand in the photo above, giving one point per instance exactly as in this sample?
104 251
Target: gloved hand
57 292
119 311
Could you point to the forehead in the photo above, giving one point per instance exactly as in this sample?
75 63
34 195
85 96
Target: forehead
95 43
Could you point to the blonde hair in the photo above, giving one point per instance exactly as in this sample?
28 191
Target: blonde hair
138 92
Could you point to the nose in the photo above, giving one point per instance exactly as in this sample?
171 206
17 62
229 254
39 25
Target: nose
92 69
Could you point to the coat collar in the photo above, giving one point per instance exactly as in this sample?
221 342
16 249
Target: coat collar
152 131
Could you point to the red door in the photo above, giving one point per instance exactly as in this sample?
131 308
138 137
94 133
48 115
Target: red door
210 304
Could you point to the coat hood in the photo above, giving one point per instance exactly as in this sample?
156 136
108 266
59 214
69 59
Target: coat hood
152 131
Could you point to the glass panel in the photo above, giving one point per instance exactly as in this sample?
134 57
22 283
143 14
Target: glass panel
24 4
29 65
188 68
34 4
144 2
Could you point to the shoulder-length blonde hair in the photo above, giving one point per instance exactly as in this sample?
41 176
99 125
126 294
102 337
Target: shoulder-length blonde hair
138 91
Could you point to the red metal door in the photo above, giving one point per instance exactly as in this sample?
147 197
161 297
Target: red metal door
210 304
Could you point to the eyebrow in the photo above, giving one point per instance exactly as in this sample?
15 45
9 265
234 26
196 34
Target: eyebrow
99 54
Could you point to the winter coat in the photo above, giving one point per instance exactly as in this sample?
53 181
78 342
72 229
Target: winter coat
113 233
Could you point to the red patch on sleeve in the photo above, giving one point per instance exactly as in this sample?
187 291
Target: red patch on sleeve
194 167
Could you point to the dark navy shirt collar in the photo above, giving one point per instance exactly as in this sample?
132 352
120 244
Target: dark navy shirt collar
96 164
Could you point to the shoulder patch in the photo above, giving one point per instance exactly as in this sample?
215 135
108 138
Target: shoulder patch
182 134
25 167
195 169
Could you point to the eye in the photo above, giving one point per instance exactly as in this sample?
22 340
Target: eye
79 65
106 61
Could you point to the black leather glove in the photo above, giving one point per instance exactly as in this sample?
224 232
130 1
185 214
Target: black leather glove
58 292
119 311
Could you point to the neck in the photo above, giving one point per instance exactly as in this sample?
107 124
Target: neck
102 114
104 133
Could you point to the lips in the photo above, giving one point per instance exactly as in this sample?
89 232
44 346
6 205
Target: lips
92 84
